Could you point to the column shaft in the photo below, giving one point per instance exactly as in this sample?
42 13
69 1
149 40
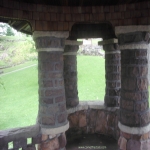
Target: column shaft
112 72
134 107
70 72
52 114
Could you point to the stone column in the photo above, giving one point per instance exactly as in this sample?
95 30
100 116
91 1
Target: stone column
134 121
112 72
70 72
52 114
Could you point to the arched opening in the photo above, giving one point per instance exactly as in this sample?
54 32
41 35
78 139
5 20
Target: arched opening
91 68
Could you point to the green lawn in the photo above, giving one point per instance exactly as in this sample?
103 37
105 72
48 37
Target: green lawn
19 97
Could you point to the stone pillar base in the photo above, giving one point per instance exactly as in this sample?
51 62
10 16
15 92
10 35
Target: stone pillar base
134 141
53 142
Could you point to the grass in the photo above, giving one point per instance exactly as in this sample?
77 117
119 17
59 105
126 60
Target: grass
19 97
91 77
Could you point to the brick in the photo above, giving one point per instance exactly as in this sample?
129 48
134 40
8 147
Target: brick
60 10
16 5
53 9
27 15
111 9
106 9
122 7
101 16
145 13
68 17
62 117
62 107
60 26
143 21
94 17
86 17
20 14
60 17
47 100
41 16
47 16
86 9
36 15
127 14
130 6
39 8
59 99
116 8
53 17
38 26
15 13
66 9
76 17
50 120
70 25
97 9
66 26
137 6
45 8
108 16
144 5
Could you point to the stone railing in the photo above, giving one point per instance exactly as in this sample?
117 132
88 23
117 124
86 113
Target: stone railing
93 117
87 118
17 138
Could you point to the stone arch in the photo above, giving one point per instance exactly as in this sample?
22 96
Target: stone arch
92 30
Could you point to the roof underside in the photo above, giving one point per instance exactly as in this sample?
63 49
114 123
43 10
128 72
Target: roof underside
25 27
81 2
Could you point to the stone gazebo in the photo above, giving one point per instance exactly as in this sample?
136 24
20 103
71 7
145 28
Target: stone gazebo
56 26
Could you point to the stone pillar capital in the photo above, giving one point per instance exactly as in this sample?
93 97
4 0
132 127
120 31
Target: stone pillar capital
56 34
71 47
133 37
130 29
71 42
49 41
110 46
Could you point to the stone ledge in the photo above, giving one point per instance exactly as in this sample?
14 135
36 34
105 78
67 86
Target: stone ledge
54 131
17 133
49 49
133 46
134 130
114 52
91 105
110 41
58 34
129 29
70 53
70 42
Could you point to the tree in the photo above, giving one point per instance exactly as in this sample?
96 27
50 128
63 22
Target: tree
9 32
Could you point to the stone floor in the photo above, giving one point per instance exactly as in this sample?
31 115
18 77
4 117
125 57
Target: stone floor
92 142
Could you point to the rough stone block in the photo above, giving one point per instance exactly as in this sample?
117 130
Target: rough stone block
82 119
133 145
62 140
20 143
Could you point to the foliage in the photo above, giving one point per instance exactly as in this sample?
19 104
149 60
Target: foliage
9 32
16 50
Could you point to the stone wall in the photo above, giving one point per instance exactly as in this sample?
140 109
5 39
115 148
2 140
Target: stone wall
93 117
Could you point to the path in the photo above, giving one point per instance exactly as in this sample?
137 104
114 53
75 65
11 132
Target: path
17 70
